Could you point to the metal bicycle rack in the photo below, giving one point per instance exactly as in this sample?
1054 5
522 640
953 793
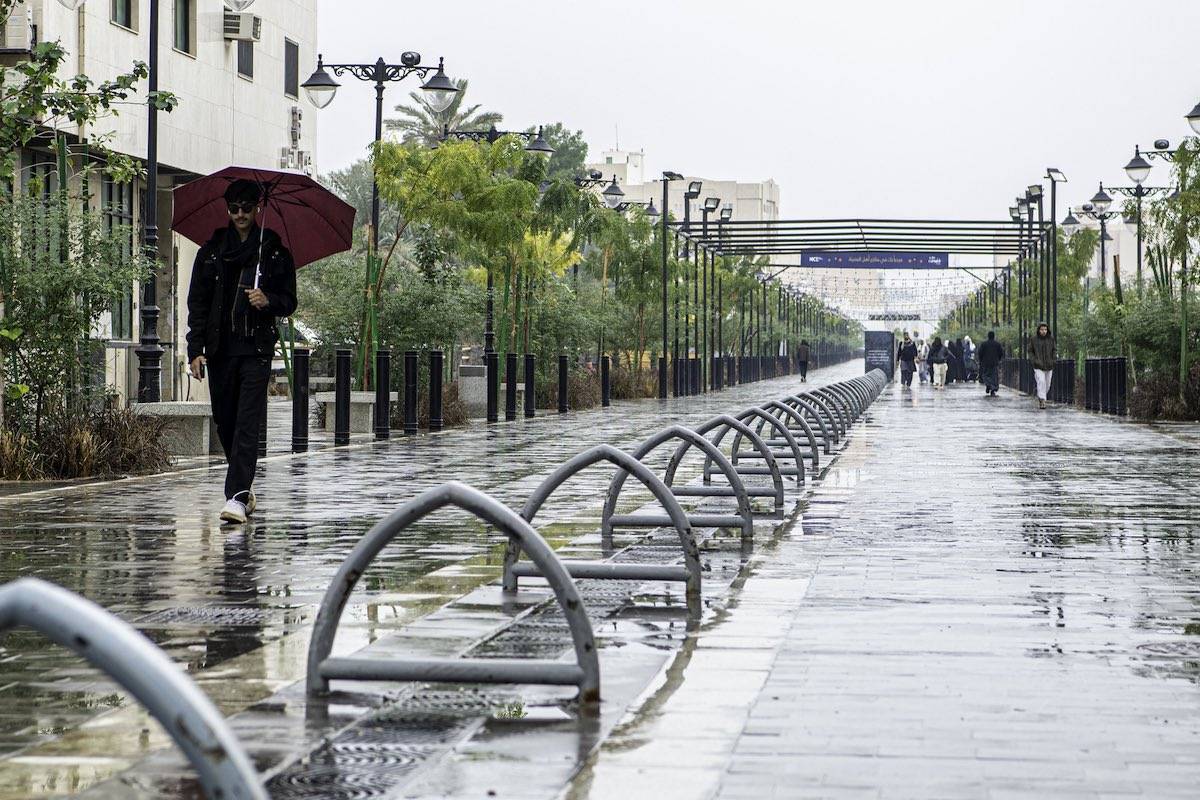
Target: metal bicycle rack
674 516
762 418
584 673
146 672
839 405
744 518
724 423
778 410
813 412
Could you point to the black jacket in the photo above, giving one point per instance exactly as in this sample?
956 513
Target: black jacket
990 353
206 295
938 354
907 353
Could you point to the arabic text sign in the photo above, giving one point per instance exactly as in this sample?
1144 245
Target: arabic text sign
874 260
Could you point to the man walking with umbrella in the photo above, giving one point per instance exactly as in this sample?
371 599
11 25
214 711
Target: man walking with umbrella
242 280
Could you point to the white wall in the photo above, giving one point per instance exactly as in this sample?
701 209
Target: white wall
221 119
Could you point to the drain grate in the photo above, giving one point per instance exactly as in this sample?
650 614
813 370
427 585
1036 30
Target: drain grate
1183 648
212 615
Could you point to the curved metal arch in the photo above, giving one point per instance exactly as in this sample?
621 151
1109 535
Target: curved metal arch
726 423
830 408
146 672
796 415
860 396
847 397
693 439
488 509
626 462
764 418
839 404
811 409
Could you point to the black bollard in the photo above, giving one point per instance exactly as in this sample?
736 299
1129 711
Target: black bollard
299 389
529 390
605 382
410 392
510 386
435 390
383 394
491 374
341 396
562 384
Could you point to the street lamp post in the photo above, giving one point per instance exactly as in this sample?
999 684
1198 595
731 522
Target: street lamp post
536 145
149 351
439 91
711 204
662 359
1097 209
1056 177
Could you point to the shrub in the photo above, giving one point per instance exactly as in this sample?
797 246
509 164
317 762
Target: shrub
101 443
627 384
583 390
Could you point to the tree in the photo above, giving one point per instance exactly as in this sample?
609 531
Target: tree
420 123
570 152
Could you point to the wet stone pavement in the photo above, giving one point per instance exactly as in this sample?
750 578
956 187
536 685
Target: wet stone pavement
974 599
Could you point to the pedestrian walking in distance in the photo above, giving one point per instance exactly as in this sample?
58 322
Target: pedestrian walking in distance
923 360
802 357
939 354
242 280
989 355
906 356
1041 351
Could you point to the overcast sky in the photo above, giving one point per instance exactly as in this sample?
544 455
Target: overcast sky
925 108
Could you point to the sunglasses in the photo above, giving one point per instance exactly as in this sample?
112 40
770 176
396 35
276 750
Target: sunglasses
245 208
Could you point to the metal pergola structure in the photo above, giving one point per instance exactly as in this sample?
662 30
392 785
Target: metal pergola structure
1022 239
790 237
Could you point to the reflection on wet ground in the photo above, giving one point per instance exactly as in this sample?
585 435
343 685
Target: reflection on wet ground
975 600
235 605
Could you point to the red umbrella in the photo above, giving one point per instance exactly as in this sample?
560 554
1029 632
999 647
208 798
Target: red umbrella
312 221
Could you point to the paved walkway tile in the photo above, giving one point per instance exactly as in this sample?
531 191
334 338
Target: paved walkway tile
235 606
999 602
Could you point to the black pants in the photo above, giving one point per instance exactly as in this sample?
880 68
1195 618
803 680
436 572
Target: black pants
238 386
906 372
803 370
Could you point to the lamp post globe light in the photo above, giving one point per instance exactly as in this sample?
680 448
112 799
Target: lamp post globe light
612 194
1193 118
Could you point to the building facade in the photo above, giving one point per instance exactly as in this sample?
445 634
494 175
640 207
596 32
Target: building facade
236 77
757 200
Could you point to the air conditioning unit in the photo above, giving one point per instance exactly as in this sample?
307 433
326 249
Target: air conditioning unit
242 27
18 34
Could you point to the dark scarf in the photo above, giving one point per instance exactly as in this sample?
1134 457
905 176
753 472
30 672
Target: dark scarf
241 259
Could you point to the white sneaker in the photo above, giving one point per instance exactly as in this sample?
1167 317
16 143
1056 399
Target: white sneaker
234 511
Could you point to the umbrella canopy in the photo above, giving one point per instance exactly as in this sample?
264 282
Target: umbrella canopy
312 221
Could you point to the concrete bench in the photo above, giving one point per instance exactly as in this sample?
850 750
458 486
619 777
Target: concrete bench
190 430
362 410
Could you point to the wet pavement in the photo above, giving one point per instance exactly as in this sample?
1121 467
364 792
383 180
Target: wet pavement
235 606
976 599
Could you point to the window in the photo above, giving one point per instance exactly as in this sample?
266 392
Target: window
245 58
124 13
185 25
291 68
116 208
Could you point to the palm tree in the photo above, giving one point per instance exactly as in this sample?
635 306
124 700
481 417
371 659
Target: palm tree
419 122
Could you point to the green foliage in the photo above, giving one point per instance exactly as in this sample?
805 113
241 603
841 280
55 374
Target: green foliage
60 270
570 152
419 124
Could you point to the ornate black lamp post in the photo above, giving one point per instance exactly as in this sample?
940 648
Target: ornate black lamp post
667 177
537 145
439 91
